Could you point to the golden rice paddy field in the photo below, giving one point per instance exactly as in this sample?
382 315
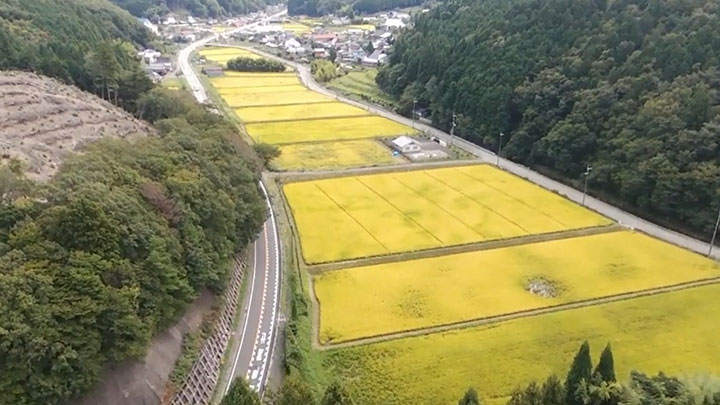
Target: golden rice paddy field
414 210
296 28
274 98
287 88
325 130
298 112
415 294
334 155
221 55
247 80
674 332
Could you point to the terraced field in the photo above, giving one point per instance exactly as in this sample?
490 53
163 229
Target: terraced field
402 212
395 297
335 155
298 112
673 332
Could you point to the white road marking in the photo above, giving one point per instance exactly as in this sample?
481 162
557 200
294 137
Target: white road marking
247 317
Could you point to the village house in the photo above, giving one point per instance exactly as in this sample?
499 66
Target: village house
405 144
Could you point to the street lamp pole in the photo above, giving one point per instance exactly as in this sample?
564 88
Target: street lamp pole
588 169
413 112
712 241
499 149
452 130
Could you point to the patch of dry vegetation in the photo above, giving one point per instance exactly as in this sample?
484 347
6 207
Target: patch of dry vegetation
42 120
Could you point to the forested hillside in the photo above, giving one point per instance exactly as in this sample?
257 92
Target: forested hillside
629 86
90 43
323 7
199 8
112 249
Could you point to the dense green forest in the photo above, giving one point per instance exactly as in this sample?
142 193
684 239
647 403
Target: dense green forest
155 9
628 86
90 43
346 7
115 246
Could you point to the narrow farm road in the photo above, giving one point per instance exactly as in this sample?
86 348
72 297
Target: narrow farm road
622 217
255 337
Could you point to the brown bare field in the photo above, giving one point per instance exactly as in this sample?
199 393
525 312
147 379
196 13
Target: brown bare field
42 120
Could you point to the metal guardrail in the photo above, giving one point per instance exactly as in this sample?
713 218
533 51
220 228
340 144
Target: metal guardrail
199 385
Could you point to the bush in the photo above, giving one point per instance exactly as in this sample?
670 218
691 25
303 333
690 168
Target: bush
245 64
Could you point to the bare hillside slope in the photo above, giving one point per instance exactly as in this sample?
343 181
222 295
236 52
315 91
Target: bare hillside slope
42 120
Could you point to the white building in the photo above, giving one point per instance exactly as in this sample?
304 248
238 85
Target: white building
405 144
393 23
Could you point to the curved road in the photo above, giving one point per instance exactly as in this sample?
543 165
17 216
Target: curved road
250 356
622 217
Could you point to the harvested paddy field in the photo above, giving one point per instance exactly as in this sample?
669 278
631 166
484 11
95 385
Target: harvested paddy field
438 368
298 112
334 155
394 297
415 210
325 130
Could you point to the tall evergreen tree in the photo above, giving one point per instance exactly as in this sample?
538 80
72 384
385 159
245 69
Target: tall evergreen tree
470 398
606 366
553 391
580 370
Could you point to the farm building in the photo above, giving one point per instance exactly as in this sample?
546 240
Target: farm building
405 144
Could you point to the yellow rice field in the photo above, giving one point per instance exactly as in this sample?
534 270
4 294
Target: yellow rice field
674 332
324 130
334 155
288 88
414 210
274 98
298 112
296 28
259 81
222 55
374 300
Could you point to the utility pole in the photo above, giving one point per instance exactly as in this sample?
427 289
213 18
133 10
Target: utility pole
413 113
712 241
588 169
452 130
499 149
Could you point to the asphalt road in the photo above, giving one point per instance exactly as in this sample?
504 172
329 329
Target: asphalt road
622 217
251 350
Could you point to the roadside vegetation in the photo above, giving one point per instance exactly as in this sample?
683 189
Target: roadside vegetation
112 249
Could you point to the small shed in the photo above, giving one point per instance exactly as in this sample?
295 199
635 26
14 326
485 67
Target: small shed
406 144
